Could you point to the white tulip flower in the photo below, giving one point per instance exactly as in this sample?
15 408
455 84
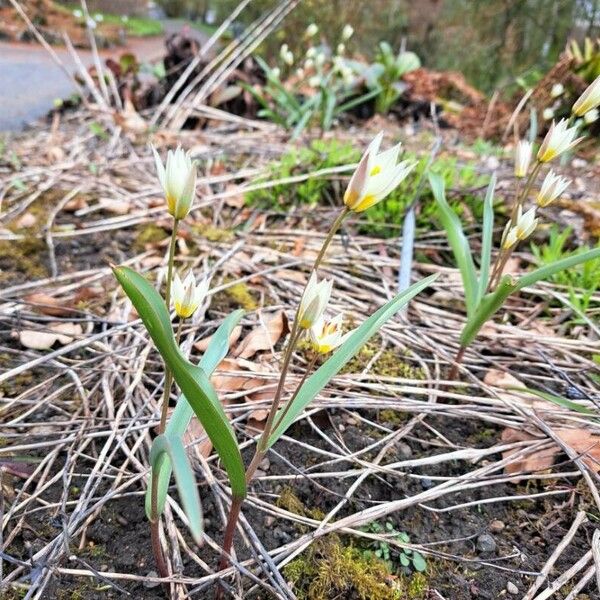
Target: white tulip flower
553 186
178 181
525 226
560 138
327 335
376 175
186 295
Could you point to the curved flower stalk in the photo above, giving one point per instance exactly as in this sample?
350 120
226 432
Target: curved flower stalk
486 291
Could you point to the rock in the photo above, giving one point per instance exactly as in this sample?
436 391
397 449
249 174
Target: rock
486 543
497 525
269 520
121 520
511 588
426 483
264 464
404 450
151 584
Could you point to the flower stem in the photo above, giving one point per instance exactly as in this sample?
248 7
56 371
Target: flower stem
159 558
262 444
457 362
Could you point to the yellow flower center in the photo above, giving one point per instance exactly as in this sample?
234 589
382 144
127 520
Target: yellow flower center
375 170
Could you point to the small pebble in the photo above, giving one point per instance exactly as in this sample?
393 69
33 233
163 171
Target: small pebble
404 450
151 584
486 543
269 520
497 525
121 520
264 464
511 588
426 483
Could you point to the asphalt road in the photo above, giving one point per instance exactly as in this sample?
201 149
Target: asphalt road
30 80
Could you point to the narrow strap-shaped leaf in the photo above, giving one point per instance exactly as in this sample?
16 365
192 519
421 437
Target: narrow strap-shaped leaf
191 379
164 446
559 265
487 307
321 377
458 242
486 239
180 419
559 401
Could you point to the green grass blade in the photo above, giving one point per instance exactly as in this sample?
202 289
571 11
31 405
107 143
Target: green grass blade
558 400
486 240
171 447
321 377
180 419
191 379
560 265
458 242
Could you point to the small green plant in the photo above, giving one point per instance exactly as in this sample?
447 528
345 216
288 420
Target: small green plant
317 156
384 76
393 555
316 100
487 289
582 282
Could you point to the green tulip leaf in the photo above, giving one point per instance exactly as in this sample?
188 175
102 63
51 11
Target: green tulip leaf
180 418
360 336
486 239
165 446
458 243
191 379
559 265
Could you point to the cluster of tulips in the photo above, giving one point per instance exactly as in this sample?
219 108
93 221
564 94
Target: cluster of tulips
376 175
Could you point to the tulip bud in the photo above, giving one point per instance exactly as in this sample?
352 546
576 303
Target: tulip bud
522 158
589 99
347 32
314 300
557 90
178 181
311 30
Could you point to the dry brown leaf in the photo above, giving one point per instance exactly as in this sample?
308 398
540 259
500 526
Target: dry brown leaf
48 305
234 336
236 200
230 376
299 246
264 337
291 275
582 441
75 204
117 207
37 340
